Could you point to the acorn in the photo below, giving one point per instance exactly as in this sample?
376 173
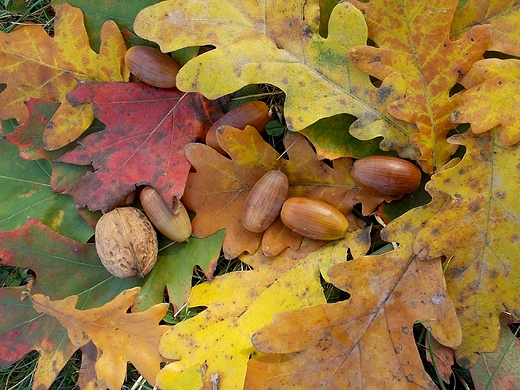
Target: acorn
265 200
254 114
314 219
174 222
126 242
386 175
152 66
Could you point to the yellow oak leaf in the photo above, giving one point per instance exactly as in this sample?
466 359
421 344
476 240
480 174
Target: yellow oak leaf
412 39
367 341
34 65
503 15
119 337
218 189
215 345
278 42
493 102
477 230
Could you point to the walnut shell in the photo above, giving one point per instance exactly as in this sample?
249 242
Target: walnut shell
126 242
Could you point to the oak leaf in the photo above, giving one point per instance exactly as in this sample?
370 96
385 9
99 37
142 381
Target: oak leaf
279 43
503 15
215 345
33 64
493 102
119 337
143 143
97 12
28 137
366 341
500 368
218 189
477 230
174 269
27 193
63 267
412 38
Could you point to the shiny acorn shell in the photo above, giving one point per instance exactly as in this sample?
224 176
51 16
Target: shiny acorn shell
152 66
254 114
386 175
314 219
174 222
264 201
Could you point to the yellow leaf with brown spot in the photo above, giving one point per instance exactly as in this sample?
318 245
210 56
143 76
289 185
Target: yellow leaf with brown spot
412 39
34 65
493 102
503 15
278 42
118 336
215 345
477 231
366 341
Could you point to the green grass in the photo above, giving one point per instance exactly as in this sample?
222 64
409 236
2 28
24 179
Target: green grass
18 12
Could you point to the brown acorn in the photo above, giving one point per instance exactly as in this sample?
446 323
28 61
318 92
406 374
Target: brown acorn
314 219
254 114
264 201
126 242
152 66
174 223
386 175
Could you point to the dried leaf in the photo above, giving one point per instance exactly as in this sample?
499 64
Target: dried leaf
413 40
366 341
32 64
499 369
143 143
219 187
279 43
97 12
215 344
503 15
493 102
477 231
119 337
63 267
441 357
28 137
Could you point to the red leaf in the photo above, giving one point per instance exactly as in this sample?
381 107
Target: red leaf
63 267
143 143
28 137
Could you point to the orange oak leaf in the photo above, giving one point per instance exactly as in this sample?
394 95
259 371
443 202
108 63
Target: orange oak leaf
493 102
366 341
215 345
477 230
33 64
279 43
119 337
219 187
503 15
412 39
143 143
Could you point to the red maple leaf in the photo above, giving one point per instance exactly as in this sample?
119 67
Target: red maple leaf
143 143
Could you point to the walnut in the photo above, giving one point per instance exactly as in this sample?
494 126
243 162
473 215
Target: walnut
126 242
